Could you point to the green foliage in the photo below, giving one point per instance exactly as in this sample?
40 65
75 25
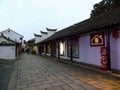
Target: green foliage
104 6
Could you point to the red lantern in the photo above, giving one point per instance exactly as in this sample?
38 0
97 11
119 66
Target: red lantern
115 34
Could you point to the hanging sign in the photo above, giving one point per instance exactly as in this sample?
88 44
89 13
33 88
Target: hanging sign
97 39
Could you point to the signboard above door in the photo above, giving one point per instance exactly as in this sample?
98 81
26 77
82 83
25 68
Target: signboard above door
97 39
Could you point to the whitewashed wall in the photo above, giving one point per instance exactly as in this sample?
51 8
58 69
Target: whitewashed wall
115 52
38 39
50 33
7 52
88 54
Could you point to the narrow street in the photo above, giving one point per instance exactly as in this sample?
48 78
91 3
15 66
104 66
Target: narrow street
43 73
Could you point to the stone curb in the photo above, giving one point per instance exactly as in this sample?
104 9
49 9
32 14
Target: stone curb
107 73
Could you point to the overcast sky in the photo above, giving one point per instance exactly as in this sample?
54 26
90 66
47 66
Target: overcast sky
32 16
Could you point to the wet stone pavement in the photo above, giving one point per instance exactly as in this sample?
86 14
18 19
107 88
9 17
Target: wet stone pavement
6 68
43 73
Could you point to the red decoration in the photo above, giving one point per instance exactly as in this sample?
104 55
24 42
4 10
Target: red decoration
103 62
63 41
115 34
104 67
103 51
76 39
24 41
103 48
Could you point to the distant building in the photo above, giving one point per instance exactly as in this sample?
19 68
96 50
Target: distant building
10 44
40 38
31 46
12 35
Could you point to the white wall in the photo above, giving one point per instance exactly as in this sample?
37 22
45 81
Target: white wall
7 52
44 36
88 54
50 33
38 39
115 53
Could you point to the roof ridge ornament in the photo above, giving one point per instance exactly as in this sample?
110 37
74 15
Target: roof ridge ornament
48 29
37 35
42 32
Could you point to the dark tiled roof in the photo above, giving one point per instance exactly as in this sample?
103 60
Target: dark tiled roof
105 19
12 31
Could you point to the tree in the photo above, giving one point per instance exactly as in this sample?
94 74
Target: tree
104 6
115 3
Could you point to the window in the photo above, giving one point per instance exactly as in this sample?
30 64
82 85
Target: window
75 48
49 48
62 48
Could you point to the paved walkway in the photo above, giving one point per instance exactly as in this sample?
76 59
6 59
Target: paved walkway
6 68
40 73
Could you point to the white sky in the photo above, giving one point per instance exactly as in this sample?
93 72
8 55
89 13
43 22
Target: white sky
32 16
